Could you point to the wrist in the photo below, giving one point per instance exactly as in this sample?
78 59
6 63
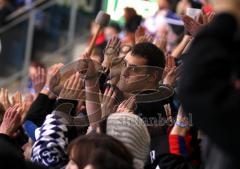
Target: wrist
45 90
180 131
4 132
187 38
91 83
181 124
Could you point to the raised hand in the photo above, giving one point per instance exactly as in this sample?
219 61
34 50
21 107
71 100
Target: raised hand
53 78
111 51
4 99
72 88
39 79
210 16
191 25
23 109
161 42
17 98
171 72
170 63
205 19
194 26
127 106
141 36
171 77
11 121
92 69
168 111
91 75
23 105
108 101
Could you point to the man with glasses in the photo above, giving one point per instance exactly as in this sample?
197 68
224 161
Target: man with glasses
142 68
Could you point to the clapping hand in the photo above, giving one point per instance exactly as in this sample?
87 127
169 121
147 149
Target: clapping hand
141 36
171 72
4 98
127 106
72 88
53 78
11 121
194 26
111 51
161 43
91 75
108 101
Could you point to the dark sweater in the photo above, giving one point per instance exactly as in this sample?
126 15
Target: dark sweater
40 108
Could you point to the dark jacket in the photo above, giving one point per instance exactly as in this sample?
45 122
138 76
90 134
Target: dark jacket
207 89
40 108
11 155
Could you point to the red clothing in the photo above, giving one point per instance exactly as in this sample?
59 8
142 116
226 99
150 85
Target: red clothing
180 145
207 9
100 39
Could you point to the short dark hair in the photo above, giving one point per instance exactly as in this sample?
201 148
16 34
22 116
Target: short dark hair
102 159
150 52
115 26
82 148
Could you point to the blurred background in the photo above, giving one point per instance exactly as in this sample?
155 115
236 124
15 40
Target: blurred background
37 33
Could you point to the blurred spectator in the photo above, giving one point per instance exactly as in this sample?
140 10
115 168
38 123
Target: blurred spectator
33 71
113 29
33 67
132 19
184 4
166 20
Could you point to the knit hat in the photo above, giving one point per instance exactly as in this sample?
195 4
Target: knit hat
132 132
